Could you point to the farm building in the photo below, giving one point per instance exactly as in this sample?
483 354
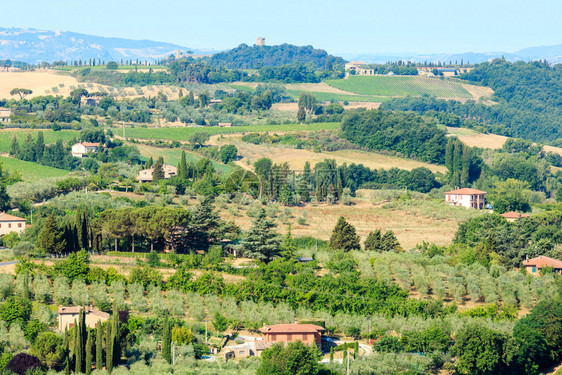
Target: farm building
513 216
146 174
68 315
359 68
5 114
466 197
247 349
309 334
81 149
535 265
9 223
260 41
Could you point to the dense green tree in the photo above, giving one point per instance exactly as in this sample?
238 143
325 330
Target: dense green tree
482 351
373 241
49 348
50 238
167 342
182 168
344 236
295 358
15 309
89 349
228 153
99 347
289 247
301 114
261 241
158 170
15 147
198 139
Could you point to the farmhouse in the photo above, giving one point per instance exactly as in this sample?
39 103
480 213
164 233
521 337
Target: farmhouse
309 334
513 216
535 265
359 68
260 41
80 149
146 174
68 315
5 114
466 197
9 223
247 349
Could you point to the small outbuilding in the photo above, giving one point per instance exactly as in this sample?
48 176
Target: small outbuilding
512 216
146 174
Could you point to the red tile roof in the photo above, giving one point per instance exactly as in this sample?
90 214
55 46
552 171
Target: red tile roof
466 191
6 217
89 144
514 215
542 261
292 328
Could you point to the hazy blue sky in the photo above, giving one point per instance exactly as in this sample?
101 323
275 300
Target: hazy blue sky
351 27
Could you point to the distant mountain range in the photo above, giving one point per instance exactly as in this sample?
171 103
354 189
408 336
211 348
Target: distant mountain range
35 46
552 54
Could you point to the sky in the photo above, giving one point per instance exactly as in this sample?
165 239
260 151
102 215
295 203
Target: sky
340 27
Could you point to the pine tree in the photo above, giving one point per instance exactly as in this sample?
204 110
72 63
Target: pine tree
89 347
99 347
182 169
158 170
167 343
51 238
288 247
344 236
261 241
390 242
373 241
15 149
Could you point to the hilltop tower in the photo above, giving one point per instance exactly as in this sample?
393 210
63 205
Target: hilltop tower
260 41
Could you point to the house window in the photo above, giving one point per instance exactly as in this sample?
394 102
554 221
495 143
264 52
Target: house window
9 225
19 225
534 269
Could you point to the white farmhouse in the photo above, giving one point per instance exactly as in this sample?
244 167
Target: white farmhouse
466 197
9 223
82 148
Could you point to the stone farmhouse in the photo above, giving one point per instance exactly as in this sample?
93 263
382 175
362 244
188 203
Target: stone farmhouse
359 68
466 197
5 114
68 316
535 265
82 148
146 174
10 223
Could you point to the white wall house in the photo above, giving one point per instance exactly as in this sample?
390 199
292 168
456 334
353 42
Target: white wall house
9 223
82 148
146 174
466 197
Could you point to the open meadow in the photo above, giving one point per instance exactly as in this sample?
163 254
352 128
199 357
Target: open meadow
31 171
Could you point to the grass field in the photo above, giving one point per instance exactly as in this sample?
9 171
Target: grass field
31 171
172 156
396 86
50 136
182 134
330 96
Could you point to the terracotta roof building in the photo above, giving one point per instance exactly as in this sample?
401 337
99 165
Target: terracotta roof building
309 334
513 216
466 197
82 148
535 265
146 174
10 223
68 315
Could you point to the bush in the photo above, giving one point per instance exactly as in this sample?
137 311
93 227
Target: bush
23 362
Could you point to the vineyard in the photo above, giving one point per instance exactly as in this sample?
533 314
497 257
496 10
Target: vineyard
396 86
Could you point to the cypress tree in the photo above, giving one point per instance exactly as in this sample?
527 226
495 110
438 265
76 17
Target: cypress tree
167 343
66 353
85 225
158 170
39 146
89 345
99 347
109 348
115 342
15 149
149 163
344 236
78 360
182 170
51 238
373 241
78 226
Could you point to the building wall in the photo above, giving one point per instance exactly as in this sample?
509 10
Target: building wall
14 226
306 338
67 320
466 200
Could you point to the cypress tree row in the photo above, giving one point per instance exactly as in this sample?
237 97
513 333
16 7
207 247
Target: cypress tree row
89 345
167 343
99 347
77 347
115 338
66 353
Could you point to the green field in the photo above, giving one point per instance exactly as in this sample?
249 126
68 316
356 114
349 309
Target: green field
182 134
330 96
31 171
393 86
50 136
172 156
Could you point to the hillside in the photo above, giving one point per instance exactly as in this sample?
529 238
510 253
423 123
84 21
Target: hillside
251 57
36 46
